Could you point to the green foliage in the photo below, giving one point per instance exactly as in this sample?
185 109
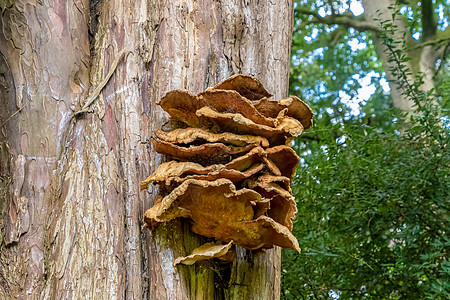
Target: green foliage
373 202
373 216
324 66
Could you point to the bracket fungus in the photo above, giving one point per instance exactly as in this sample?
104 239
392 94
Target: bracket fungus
231 168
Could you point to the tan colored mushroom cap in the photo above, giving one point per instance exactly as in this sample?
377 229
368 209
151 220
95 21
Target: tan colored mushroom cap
281 161
204 154
190 135
206 251
235 122
262 232
218 210
173 173
229 101
246 85
182 104
285 159
282 181
179 105
256 160
218 108
296 109
207 203
282 204
255 156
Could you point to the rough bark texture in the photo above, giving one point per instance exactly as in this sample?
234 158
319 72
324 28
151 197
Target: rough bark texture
70 206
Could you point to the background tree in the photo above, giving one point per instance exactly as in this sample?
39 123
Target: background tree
79 86
330 32
373 203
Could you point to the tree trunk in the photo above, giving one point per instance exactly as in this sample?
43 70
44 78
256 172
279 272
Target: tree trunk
382 10
71 212
424 52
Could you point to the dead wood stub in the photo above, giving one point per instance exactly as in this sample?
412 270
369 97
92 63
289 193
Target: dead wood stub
232 166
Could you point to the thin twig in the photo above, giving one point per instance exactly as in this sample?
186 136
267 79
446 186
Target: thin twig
65 123
91 98
4 123
444 55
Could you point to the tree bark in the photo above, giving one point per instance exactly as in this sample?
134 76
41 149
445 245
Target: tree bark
71 212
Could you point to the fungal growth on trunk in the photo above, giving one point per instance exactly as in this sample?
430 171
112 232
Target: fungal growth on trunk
231 167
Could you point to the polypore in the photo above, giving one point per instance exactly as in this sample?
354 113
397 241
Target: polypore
231 168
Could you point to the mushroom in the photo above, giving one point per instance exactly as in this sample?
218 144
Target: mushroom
247 86
232 167
209 153
192 135
206 251
296 109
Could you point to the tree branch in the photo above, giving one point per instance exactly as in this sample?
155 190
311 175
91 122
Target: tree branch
306 11
440 40
428 21
17 111
443 60
330 3
347 20
67 119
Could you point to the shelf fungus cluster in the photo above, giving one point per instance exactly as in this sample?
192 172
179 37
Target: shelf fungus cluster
231 166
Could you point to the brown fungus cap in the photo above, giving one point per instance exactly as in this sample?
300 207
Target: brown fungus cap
282 181
173 173
204 154
285 159
262 232
218 210
296 108
202 201
282 204
206 251
165 172
256 160
181 104
246 85
190 135
219 109
235 122
232 102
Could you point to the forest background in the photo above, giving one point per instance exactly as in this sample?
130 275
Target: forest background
373 185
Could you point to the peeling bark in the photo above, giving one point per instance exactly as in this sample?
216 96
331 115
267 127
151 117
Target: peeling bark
71 207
